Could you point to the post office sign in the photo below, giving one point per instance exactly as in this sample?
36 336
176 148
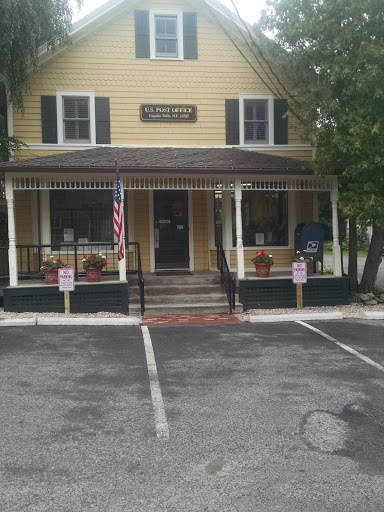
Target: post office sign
171 113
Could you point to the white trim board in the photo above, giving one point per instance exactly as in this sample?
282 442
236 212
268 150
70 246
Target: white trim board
82 147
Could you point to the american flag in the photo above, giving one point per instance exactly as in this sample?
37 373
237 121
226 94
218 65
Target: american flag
118 217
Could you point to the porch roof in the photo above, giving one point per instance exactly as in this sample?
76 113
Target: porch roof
162 160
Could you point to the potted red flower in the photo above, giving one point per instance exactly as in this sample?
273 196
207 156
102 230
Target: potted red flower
93 266
301 256
263 263
51 270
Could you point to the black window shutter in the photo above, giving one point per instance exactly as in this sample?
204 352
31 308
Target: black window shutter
103 130
49 119
280 122
190 35
232 128
142 34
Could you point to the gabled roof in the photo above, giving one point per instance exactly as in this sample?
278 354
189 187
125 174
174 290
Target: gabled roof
173 160
113 8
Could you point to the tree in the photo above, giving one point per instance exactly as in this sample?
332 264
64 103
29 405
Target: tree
333 51
26 25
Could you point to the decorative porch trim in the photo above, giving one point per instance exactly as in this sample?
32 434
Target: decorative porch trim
100 182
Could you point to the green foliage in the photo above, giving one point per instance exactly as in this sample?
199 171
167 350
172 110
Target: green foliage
333 51
26 25
52 264
94 261
7 144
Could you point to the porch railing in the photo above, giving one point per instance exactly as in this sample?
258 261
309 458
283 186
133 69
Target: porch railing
227 278
31 257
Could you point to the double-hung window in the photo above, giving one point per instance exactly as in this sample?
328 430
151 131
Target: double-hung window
166 43
76 117
76 120
166 35
256 120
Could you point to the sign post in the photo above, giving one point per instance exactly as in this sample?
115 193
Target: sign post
66 285
299 274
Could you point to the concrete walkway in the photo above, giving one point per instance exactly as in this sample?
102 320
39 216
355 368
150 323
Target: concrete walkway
328 261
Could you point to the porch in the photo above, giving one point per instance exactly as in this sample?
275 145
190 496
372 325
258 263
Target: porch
177 209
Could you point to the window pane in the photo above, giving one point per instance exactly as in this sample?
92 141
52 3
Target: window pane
171 47
82 108
70 130
171 26
83 130
261 111
88 213
161 46
265 214
69 108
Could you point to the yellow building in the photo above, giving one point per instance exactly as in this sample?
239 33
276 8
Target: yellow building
196 121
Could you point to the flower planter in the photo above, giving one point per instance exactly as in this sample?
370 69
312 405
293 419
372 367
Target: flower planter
310 266
262 269
94 275
51 276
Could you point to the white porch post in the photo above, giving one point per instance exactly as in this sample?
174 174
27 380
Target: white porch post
335 230
239 230
12 255
227 224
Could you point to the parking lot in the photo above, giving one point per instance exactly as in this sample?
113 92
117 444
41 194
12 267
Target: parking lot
242 417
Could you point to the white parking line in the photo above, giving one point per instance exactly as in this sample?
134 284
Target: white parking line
162 429
345 347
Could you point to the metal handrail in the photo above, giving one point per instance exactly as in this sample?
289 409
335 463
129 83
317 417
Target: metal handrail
227 278
140 280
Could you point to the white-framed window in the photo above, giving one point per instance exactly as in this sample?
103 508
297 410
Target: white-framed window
76 117
166 35
256 119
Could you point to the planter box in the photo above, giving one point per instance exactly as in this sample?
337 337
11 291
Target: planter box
87 298
281 292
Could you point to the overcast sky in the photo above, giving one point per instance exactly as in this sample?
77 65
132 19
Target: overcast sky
249 9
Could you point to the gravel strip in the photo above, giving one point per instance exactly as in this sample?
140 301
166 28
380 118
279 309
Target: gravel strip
351 311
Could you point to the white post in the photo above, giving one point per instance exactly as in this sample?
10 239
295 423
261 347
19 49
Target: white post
12 255
239 231
335 230
45 222
226 218
122 263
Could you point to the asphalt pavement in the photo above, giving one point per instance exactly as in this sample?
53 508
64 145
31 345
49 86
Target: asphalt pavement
269 418
328 261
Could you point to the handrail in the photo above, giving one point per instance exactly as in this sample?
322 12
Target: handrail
227 278
140 280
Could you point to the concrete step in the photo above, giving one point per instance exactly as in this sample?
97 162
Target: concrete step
183 309
181 298
208 279
187 289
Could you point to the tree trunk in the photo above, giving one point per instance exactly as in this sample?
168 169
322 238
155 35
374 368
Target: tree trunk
373 260
352 259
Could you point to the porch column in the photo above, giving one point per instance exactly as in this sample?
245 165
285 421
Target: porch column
12 254
335 230
239 231
227 224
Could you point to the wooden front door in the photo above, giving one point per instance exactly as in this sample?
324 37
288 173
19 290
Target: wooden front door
171 229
